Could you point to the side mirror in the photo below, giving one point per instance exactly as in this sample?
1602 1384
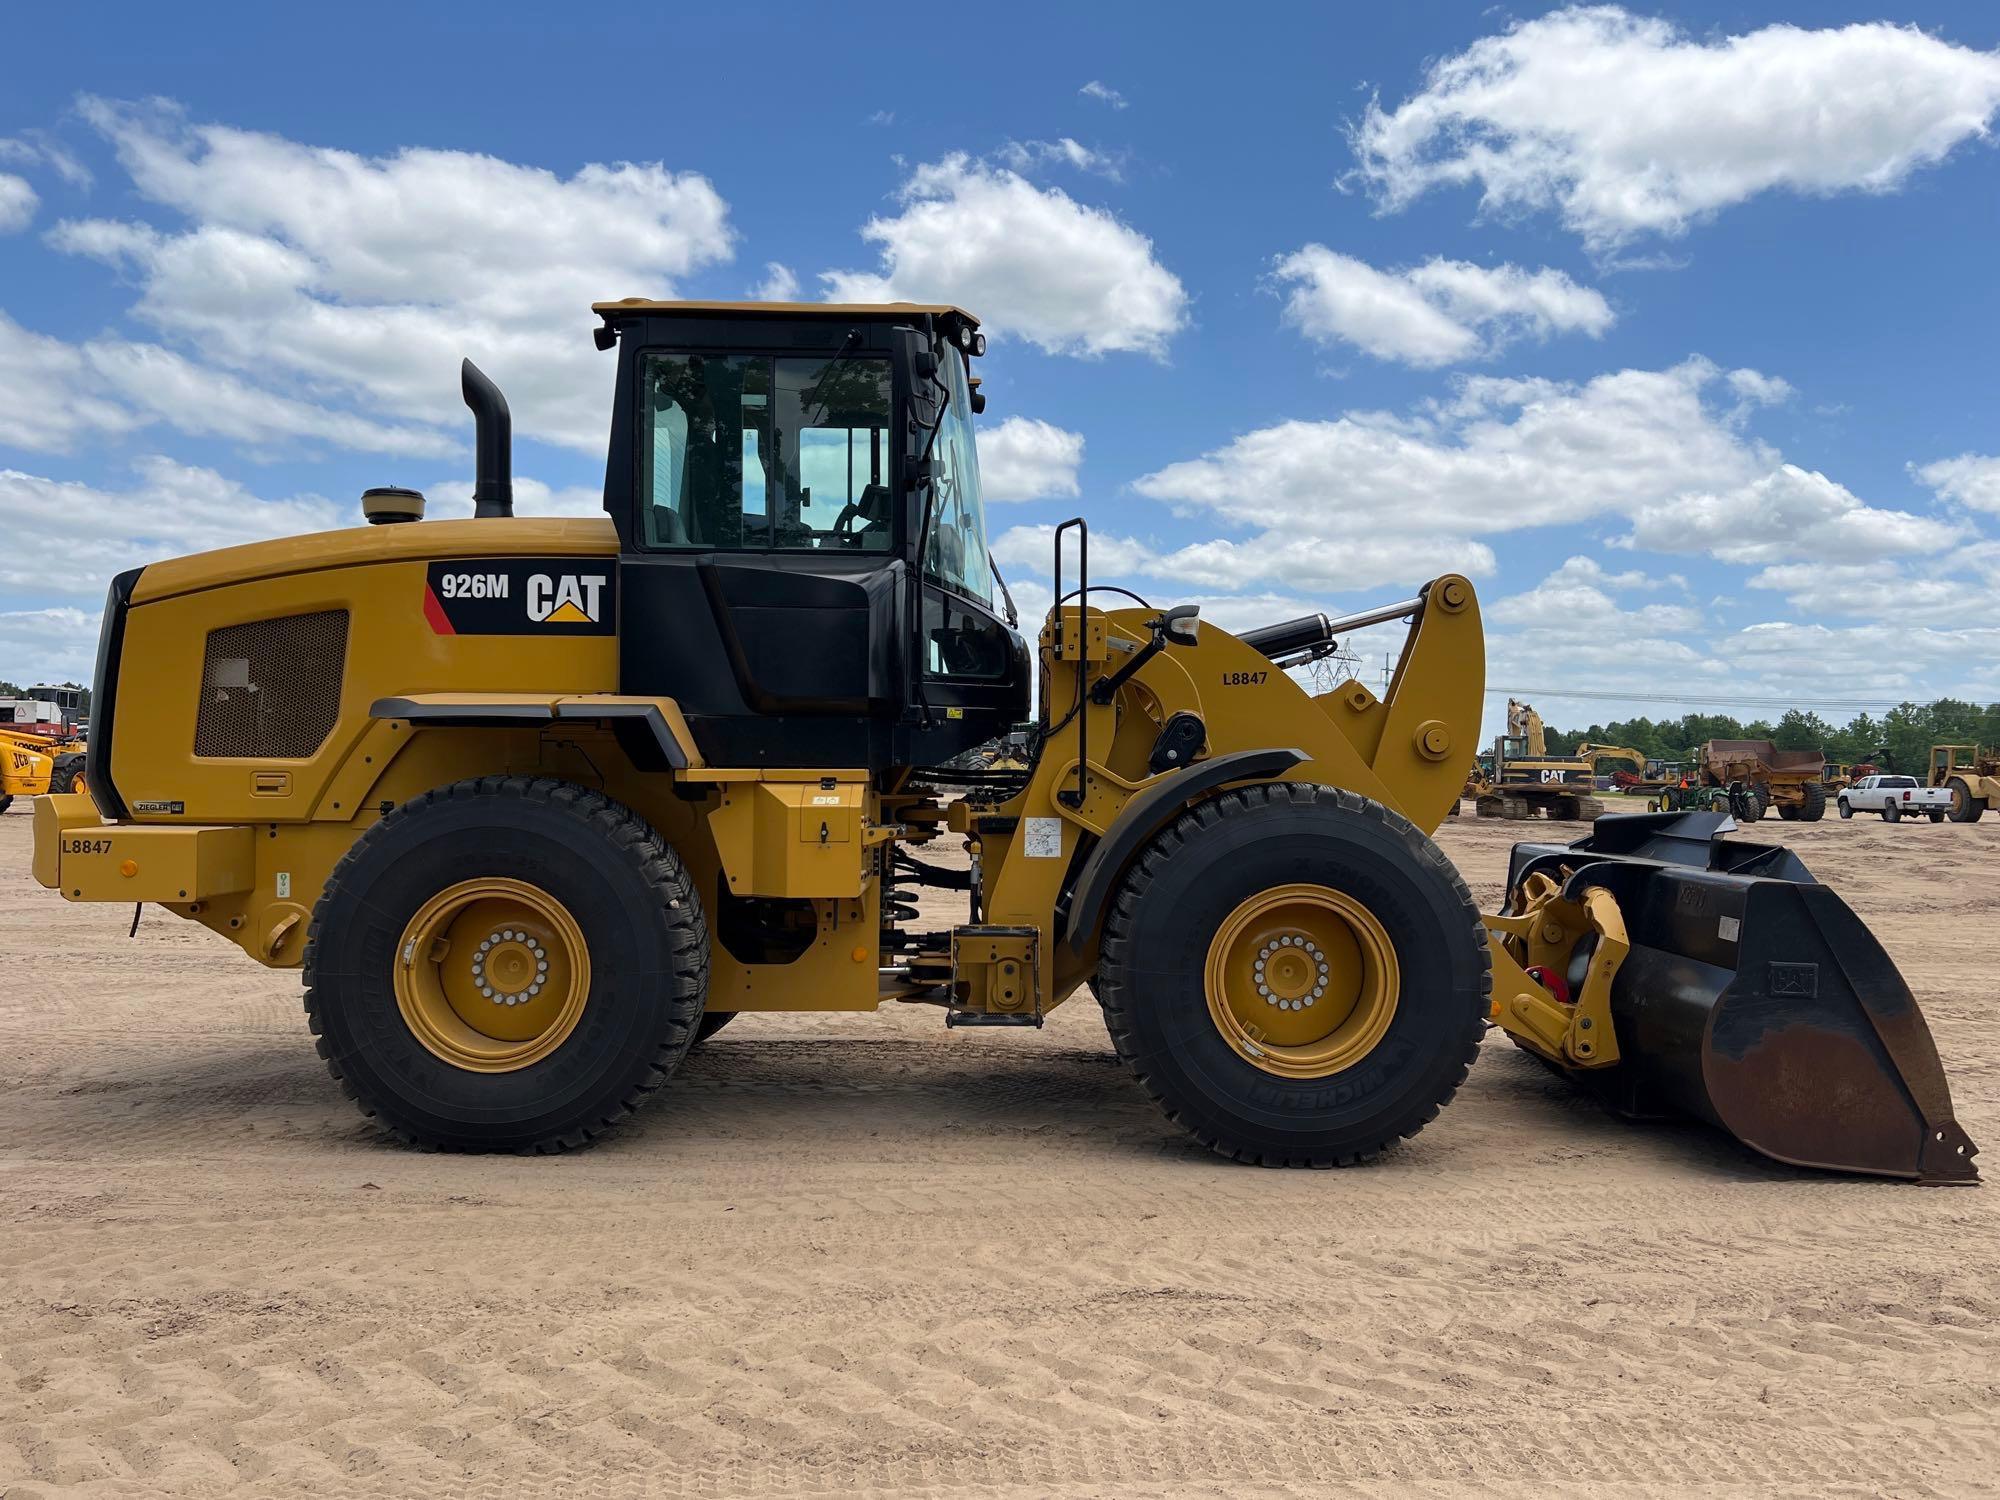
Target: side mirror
1182 624
918 473
978 403
924 363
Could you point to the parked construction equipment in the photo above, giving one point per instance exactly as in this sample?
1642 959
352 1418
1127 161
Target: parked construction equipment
1758 776
1972 774
39 750
528 799
1527 781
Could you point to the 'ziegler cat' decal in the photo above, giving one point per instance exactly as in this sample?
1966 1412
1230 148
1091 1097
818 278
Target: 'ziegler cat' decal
522 596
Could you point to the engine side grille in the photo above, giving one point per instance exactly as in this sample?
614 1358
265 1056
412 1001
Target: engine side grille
272 688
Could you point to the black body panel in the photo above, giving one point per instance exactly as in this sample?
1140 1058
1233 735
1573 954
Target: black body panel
104 696
793 658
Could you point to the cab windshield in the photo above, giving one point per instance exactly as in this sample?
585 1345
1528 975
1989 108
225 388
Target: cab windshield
755 452
955 555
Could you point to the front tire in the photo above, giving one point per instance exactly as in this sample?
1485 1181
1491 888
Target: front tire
1253 911
1813 806
507 964
1845 810
1965 808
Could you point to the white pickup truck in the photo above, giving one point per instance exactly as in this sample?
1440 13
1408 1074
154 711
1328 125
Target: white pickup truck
1895 797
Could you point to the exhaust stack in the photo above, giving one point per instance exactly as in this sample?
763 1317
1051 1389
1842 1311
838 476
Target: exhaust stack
493 482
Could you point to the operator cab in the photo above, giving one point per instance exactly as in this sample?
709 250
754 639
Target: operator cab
775 472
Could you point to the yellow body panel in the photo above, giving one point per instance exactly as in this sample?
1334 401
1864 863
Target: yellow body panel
288 559
792 838
125 862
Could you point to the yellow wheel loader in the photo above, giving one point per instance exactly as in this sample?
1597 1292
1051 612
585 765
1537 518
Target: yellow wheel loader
535 803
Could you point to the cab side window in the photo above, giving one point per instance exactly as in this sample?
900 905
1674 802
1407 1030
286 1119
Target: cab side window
753 453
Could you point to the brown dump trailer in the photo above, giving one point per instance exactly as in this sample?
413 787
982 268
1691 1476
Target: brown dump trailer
1759 776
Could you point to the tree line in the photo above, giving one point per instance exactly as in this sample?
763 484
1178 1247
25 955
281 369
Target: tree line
1906 732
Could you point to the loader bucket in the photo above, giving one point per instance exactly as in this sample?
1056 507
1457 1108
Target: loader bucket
1754 999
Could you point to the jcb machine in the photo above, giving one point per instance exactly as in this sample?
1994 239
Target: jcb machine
1528 781
40 750
536 803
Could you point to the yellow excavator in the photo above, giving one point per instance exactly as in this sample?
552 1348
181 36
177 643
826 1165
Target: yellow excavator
1527 781
537 804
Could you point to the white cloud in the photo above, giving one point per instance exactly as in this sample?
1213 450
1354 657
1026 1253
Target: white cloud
48 645
1025 156
1625 126
1103 93
1026 459
1579 598
1311 565
780 284
367 278
54 394
1437 313
1886 592
18 202
173 509
451 498
1788 513
1499 455
33 148
1030 262
1972 479
881 117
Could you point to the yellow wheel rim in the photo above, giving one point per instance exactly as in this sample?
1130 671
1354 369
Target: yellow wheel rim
1302 980
492 975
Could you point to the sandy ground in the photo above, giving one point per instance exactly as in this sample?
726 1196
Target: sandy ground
862 1254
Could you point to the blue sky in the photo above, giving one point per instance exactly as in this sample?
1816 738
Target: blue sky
1675 327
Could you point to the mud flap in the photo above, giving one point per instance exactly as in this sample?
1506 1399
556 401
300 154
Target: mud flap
1754 999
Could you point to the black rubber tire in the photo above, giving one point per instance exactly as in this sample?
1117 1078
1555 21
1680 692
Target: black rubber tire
1745 806
1151 984
1936 814
641 921
1965 808
1788 812
1845 810
1892 812
63 775
6 801
711 1022
1813 807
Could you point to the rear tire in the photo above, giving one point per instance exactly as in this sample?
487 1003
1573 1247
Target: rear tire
711 1022
6 801
1965 808
1349 1081
1936 814
1892 812
1813 807
617 916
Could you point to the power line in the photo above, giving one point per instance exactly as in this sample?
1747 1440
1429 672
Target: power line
1646 695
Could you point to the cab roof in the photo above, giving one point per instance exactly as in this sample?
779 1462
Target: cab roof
632 307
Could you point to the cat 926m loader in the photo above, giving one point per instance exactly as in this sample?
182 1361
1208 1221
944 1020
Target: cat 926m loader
534 804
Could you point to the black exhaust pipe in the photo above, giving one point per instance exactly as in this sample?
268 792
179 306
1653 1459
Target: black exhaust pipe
493 483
